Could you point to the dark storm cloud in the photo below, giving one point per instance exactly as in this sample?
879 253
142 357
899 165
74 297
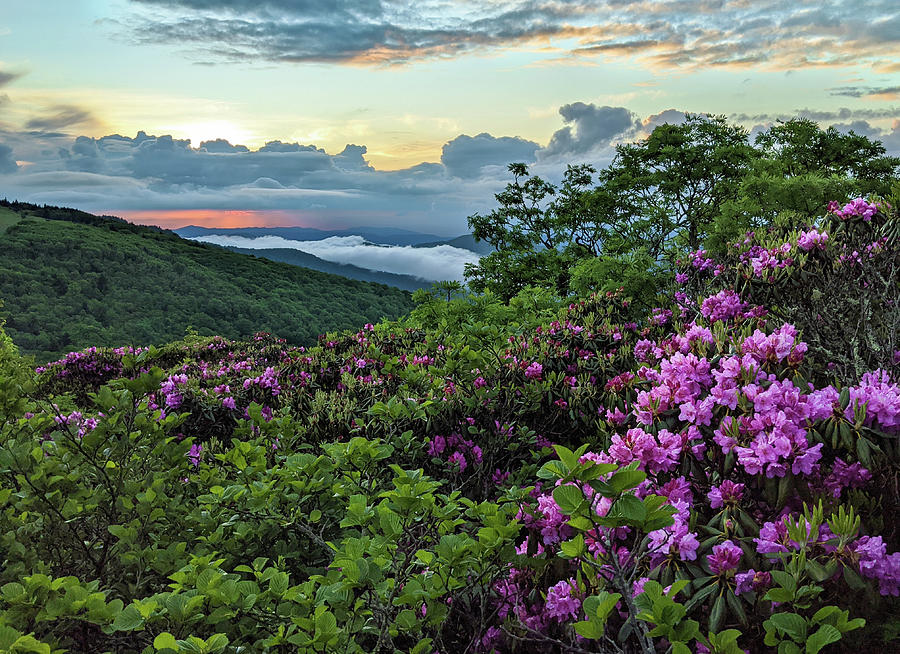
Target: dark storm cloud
670 33
589 127
465 155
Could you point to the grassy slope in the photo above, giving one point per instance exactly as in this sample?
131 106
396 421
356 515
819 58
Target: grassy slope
8 218
66 286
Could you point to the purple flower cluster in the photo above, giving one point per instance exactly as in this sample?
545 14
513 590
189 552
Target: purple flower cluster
676 540
751 580
76 419
268 379
762 259
727 493
700 261
460 451
724 305
195 454
547 520
534 370
655 453
874 563
561 605
725 557
169 389
881 398
857 207
812 240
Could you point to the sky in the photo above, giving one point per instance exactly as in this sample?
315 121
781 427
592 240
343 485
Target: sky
341 113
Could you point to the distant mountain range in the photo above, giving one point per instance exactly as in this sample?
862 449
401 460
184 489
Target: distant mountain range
382 235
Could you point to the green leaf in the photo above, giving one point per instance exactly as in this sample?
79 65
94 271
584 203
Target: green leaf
165 640
626 480
216 643
8 636
326 624
826 635
590 629
734 604
30 644
717 615
630 508
553 470
573 548
599 606
128 620
791 624
566 456
568 498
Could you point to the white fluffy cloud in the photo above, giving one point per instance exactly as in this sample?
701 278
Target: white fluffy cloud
431 263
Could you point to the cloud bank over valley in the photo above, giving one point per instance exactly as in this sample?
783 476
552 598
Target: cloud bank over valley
431 263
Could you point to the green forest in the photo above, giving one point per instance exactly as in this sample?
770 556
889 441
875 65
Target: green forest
69 280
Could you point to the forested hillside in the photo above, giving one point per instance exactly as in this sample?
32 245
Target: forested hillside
72 279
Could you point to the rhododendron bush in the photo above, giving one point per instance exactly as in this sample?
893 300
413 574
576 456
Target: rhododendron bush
476 479
835 281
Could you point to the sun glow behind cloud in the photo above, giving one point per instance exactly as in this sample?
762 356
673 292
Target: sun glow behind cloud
211 130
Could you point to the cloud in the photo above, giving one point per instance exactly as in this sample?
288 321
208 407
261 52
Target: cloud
431 263
659 33
819 115
7 77
7 161
669 116
866 91
889 138
222 146
466 156
61 117
352 158
589 127
146 172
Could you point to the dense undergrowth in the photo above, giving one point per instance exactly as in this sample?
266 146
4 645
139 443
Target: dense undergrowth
716 474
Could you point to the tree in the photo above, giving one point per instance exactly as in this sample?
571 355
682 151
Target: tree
801 168
668 188
802 147
538 231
